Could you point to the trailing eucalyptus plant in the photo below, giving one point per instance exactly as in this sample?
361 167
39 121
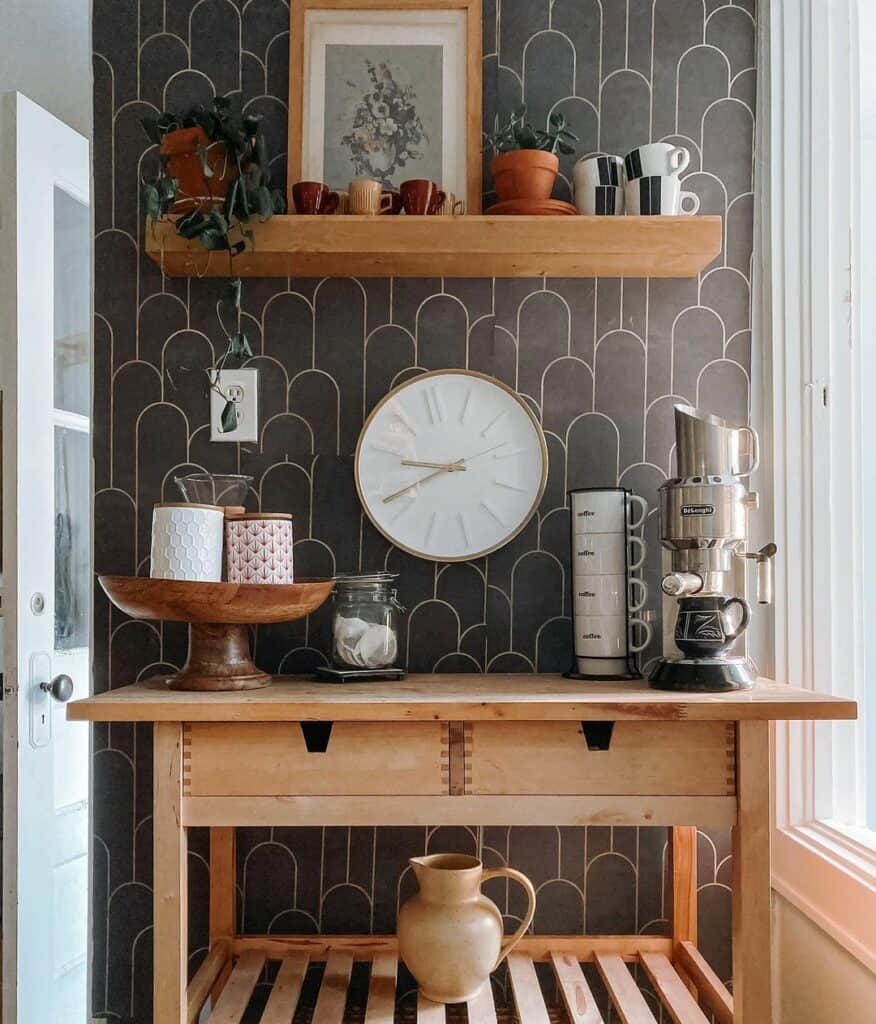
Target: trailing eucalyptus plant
240 144
517 133
238 348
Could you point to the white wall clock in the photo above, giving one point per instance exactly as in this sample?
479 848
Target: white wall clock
451 465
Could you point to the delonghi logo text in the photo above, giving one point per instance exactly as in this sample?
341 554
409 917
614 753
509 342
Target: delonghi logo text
697 510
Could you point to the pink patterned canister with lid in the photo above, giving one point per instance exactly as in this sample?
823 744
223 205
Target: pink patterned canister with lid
258 548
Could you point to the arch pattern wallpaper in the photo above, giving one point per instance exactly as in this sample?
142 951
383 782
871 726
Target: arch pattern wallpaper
600 361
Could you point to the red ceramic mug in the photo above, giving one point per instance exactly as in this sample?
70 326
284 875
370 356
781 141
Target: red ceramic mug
312 197
421 196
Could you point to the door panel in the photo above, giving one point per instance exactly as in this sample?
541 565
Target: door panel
45 344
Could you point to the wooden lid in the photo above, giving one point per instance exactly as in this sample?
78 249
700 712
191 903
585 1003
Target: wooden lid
186 504
233 510
261 515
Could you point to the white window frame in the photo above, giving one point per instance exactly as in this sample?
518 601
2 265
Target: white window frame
808 239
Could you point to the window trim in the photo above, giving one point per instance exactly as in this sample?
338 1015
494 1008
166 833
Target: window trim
808 234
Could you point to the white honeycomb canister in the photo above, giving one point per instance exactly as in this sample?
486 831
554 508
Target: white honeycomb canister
187 542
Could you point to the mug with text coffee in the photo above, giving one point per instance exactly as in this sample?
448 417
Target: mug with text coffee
608 595
610 636
607 510
601 554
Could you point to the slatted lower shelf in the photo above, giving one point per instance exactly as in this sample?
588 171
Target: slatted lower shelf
667 992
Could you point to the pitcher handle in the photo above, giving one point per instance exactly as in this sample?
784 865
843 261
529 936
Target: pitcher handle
746 615
520 878
755 450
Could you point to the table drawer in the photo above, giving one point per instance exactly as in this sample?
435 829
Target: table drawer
647 758
315 759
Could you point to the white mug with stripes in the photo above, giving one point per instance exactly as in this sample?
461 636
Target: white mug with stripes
599 182
598 170
600 200
656 158
659 194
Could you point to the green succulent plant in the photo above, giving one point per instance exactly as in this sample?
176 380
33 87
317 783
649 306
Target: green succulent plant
218 223
517 133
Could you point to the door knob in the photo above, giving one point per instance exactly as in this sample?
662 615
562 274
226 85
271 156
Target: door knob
61 688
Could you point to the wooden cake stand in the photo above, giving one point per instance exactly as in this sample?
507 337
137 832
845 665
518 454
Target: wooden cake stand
218 615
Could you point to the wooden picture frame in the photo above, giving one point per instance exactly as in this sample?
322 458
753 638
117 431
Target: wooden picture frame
466 168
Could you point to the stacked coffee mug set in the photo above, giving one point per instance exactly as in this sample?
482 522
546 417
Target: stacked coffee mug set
195 539
646 182
608 592
368 197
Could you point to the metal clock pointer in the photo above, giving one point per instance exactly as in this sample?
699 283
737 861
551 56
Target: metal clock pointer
442 467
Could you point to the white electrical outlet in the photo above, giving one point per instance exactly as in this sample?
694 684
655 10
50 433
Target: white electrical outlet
241 387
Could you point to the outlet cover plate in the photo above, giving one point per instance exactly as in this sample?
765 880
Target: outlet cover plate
243 385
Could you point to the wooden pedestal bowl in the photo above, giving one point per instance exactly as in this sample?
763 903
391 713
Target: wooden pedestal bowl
218 615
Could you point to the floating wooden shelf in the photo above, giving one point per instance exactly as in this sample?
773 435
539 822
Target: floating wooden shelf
327 1000
293 246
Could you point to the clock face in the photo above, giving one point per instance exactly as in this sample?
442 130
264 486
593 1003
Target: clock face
451 465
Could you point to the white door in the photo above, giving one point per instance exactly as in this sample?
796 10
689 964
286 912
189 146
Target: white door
45 386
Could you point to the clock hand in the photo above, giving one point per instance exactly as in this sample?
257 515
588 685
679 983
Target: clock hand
414 483
469 458
446 468
450 467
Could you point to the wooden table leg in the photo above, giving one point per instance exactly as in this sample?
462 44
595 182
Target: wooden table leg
223 893
683 879
170 881
752 986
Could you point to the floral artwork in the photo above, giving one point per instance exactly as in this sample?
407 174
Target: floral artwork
386 128
383 113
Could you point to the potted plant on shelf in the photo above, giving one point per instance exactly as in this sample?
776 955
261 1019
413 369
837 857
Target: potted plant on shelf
525 164
213 174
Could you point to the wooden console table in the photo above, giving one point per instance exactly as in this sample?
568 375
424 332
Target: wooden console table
464 749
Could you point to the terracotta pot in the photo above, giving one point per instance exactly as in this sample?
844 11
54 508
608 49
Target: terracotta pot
449 933
524 174
180 149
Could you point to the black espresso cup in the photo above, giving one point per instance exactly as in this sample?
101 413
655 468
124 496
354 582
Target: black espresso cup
704 629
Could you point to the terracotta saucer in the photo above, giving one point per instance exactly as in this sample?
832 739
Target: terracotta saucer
533 208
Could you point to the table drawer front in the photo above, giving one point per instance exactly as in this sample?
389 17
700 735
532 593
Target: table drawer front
273 759
648 758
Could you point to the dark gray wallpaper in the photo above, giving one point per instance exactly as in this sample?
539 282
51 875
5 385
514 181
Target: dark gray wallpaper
602 362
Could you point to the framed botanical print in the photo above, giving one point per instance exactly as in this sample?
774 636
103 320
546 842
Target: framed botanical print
386 89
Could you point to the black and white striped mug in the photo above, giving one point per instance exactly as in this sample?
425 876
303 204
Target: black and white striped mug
598 170
600 200
659 194
656 158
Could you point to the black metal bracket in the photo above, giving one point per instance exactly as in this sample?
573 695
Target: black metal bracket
597 735
316 736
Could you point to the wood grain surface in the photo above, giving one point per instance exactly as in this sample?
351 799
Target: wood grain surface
457 698
469 246
142 597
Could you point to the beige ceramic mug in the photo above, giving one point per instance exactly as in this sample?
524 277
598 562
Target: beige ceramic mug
451 207
367 197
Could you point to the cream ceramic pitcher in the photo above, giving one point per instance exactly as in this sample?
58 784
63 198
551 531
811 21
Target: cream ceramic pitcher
449 934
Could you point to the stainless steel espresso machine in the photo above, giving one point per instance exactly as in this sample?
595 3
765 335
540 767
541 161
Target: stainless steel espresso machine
703 523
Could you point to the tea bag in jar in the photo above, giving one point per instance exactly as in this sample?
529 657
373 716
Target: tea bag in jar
365 626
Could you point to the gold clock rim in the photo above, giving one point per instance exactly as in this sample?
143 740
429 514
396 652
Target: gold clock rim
539 430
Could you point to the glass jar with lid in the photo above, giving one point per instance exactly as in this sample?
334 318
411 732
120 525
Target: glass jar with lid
365 621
